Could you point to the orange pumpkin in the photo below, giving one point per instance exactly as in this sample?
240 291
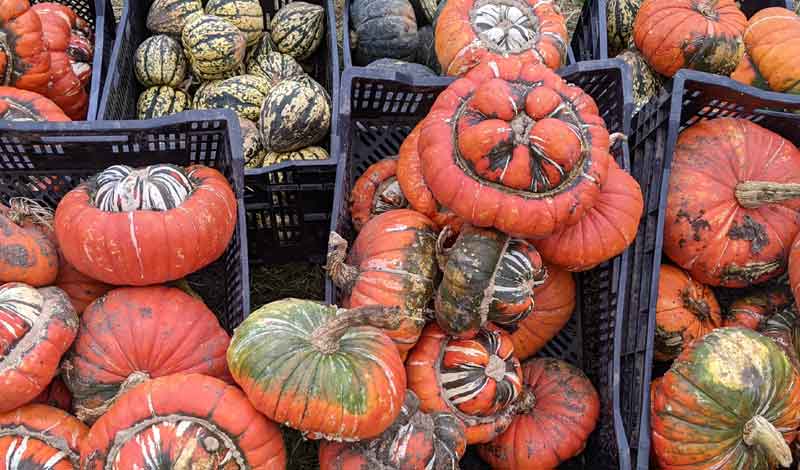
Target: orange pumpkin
794 269
26 254
21 105
376 191
24 59
40 437
703 35
771 39
754 310
56 395
747 73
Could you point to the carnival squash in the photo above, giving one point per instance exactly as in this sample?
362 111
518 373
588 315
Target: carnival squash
40 437
214 47
159 61
170 16
376 191
771 39
297 29
246 15
295 113
620 16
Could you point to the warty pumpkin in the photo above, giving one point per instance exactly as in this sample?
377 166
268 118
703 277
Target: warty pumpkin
24 58
303 364
21 105
40 437
376 191
183 421
771 39
732 210
38 326
26 253
158 223
753 311
515 147
703 35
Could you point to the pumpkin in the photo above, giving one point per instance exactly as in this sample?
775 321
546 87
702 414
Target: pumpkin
80 288
771 35
376 191
40 436
106 361
620 16
170 16
416 440
243 94
784 328
685 311
21 105
159 223
297 29
252 149
273 66
56 395
555 302
703 35
487 276
295 114
392 263
246 15
646 82
214 46
26 254
304 364
183 421
753 311
794 268
730 220
24 58
394 65
383 28
478 380
307 153
425 10
159 60
605 230
515 147
747 73
160 101
732 397
564 407
38 326
470 32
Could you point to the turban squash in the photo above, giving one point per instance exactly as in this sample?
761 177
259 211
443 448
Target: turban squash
515 147
41 437
24 58
146 226
771 39
375 192
21 105
183 421
753 311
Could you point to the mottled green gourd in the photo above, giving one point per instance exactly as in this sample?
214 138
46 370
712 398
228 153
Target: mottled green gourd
246 15
620 16
295 114
298 28
214 46
159 60
242 94
252 150
274 66
307 153
161 101
426 9
646 82
170 16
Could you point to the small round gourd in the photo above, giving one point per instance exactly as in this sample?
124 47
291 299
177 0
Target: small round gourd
308 153
242 94
295 114
170 16
214 46
161 101
246 15
274 66
159 60
297 29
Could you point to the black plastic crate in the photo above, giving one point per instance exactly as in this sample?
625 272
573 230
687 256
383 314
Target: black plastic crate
44 161
590 40
694 96
379 109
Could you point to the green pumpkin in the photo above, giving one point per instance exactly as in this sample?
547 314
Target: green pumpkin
161 101
246 15
646 82
214 46
620 16
410 68
295 114
307 153
170 16
298 29
252 150
274 66
243 94
159 60
426 50
383 28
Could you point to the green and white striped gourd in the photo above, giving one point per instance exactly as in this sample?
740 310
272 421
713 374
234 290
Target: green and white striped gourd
159 60
170 16
243 94
620 16
246 15
646 82
295 114
214 46
252 150
307 153
298 28
274 66
161 101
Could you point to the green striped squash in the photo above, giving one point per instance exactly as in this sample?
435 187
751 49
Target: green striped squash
307 153
246 15
295 114
243 94
161 101
274 66
297 29
170 16
620 15
252 150
646 82
261 47
159 60
214 46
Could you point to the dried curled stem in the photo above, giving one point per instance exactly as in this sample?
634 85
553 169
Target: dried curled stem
341 273
754 194
326 337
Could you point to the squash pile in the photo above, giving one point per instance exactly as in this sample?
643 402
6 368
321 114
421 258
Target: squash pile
225 56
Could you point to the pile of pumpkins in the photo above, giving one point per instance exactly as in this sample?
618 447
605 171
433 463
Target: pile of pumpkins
219 56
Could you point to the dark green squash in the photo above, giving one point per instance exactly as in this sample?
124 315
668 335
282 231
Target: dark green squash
426 50
425 10
161 101
295 114
214 46
243 94
646 82
170 16
246 15
409 68
620 15
159 60
383 28
298 29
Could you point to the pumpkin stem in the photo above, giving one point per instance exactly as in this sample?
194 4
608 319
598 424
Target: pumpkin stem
760 432
442 250
341 273
526 402
22 209
88 414
617 137
697 306
754 194
325 338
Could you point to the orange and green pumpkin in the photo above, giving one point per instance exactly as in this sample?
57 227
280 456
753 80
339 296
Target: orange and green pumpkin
376 191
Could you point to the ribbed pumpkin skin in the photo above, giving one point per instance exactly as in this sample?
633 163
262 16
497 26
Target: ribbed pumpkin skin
646 82
686 310
376 191
703 35
160 101
39 325
298 28
747 73
566 411
383 29
145 247
273 358
771 37
470 32
80 288
242 94
105 353
26 254
214 46
708 231
783 327
40 437
554 302
712 390
620 16
24 59
159 60
246 15
170 16
56 395
183 421
295 114
306 153
21 105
